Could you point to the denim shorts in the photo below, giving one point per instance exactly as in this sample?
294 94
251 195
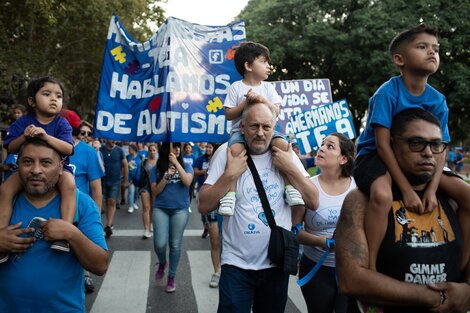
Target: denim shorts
111 191
237 137
209 218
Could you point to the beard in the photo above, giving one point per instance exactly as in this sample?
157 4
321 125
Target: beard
41 189
416 180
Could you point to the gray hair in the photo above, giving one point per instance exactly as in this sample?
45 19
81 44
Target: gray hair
250 105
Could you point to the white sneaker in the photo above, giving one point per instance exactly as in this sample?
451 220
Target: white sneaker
147 234
214 280
293 196
227 204
131 209
136 207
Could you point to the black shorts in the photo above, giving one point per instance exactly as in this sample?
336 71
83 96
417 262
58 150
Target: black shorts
367 168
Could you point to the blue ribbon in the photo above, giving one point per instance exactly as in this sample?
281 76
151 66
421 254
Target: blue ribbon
330 242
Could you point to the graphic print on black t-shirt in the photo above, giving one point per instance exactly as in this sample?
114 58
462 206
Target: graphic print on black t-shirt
429 230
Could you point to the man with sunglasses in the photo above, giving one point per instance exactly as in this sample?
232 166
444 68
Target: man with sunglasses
423 262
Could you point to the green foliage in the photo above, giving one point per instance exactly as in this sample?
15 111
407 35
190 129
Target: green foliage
65 39
347 42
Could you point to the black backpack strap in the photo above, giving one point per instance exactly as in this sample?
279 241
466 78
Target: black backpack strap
261 193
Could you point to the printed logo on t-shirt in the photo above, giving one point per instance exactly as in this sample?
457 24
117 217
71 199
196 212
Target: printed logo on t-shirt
421 231
251 230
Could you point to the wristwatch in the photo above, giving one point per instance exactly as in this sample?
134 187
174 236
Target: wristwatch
296 229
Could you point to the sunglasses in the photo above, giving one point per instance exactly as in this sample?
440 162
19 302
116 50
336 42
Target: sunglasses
85 133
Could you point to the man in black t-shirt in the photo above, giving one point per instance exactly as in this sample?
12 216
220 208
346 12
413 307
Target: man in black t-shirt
422 264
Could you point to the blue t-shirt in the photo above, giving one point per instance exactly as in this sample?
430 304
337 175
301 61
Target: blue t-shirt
202 163
40 279
175 195
86 166
112 164
58 128
143 153
390 99
133 163
189 159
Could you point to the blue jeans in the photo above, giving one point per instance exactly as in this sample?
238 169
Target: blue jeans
168 228
132 196
265 290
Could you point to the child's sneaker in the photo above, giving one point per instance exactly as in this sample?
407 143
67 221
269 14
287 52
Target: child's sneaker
61 245
4 257
227 204
160 272
293 196
170 284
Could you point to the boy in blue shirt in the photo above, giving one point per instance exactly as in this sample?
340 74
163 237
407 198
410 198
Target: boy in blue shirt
416 53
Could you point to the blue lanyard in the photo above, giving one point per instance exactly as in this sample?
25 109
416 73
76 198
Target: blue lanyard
330 242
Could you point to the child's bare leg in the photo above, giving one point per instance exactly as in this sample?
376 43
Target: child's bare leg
236 149
376 218
227 203
459 191
8 191
67 190
68 206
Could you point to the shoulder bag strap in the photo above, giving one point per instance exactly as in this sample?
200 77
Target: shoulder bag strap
261 193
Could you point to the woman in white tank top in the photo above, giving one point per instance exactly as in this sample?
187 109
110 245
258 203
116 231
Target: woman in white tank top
335 159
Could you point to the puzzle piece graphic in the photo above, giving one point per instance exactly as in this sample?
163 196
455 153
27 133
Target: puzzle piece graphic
230 53
214 105
132 68
155 104
118 54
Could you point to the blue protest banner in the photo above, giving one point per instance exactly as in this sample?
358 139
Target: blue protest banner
300 95
311 127
169 88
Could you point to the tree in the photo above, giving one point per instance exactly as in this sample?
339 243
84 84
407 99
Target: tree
347 42
64 39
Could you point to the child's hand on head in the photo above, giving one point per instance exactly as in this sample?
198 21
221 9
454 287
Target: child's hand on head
28 131
255 98
40 133
33 131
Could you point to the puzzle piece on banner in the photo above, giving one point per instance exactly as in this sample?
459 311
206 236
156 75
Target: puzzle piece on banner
118 54
132 68
155 104
230 53
214 105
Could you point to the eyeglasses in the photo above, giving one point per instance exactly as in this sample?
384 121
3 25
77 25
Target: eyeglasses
85 133
418 144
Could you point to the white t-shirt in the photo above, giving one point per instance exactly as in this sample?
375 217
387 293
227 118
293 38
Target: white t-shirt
237 93
322 221
246 233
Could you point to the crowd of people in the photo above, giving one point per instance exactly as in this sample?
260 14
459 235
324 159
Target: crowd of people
398 242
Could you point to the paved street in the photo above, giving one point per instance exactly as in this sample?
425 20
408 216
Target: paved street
129 285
